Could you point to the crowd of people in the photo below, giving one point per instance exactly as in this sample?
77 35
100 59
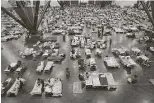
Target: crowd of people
72 22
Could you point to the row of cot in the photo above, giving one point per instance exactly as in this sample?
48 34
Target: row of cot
51 87
100 80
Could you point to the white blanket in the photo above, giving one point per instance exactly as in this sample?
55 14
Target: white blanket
37 90
89 81
48 66
57 88
40 66
127 60
95 80
19 69
111 62
143 57
98 51
136 50
48 87
110 80
88 52
15 87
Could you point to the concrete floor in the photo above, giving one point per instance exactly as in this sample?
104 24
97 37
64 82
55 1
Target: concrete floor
142 92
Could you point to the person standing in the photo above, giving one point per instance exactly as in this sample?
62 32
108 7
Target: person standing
42 81
110 42
64 37
102 30
98 33
21 84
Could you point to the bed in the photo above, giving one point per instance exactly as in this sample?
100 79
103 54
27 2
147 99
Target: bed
95 80
131 61
110 80
134 29
130 35
136 51
28 51
57 88
12 66
118 51
75 41
13 91
92 61
127 61
88 52
73 55
40 67
76 53
119 30
126 50
92 64
142 58
48 66
20 69
6 85
101 44
37 89
55 52
46 53
89 83
92 45
103 79
111 62
48 87
57 31
98 52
